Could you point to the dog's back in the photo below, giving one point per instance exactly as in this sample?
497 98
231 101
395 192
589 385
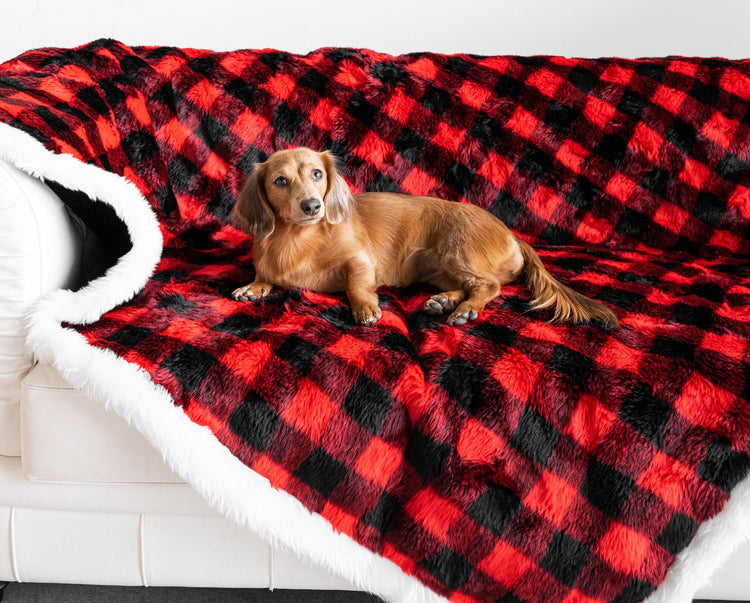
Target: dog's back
414 238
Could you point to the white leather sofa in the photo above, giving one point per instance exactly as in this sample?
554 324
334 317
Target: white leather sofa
83 497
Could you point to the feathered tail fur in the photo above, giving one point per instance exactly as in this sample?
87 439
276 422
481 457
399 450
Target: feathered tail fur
569 305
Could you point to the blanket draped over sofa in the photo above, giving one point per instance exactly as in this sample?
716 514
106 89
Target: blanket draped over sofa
506 459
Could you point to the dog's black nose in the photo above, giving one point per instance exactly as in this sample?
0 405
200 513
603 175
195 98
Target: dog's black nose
311 206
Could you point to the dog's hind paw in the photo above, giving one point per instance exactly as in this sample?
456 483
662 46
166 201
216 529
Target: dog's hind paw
442 303
435 305
462 315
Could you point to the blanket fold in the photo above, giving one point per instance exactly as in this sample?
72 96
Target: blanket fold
507 459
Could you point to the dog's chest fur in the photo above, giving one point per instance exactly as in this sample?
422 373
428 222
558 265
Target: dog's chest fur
322 263
296 261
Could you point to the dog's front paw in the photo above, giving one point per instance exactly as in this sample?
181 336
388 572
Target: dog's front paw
252 291
366 314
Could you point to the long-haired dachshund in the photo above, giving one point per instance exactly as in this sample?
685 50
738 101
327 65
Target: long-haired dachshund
310 231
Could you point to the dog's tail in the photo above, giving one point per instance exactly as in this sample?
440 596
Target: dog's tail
568 305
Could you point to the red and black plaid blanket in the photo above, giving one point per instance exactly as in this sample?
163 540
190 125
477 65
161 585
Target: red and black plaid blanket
507 459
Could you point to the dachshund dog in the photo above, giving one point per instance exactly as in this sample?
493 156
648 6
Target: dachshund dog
310 231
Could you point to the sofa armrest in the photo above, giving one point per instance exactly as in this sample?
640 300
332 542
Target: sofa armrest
40 250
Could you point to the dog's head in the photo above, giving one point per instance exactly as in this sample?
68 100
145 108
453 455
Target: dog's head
297 186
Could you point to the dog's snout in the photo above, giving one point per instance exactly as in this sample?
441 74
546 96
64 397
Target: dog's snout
311 207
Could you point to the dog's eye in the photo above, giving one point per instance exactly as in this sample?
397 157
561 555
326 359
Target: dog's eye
317 174
281 181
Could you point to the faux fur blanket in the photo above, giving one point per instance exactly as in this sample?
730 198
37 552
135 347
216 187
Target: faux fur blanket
507 459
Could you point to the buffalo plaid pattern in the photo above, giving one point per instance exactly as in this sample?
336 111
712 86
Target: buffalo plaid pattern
504 460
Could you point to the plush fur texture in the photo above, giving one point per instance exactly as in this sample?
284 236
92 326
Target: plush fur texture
506 457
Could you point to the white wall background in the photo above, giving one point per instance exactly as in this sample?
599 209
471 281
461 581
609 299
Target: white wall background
630 28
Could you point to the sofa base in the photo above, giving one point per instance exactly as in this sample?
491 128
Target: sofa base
126 547
98 506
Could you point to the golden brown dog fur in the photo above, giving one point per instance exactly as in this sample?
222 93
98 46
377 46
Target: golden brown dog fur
357 243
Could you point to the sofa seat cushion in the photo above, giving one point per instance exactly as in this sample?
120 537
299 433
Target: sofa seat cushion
67 437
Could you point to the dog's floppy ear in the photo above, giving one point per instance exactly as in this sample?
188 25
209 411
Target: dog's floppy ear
252 208
339 199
